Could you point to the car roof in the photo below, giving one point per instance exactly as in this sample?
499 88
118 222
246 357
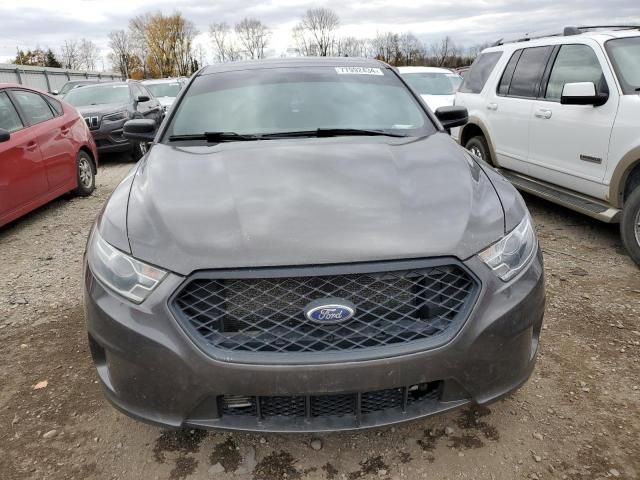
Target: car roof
12 85
84 81
25 87
161 80
600 36
425 70
102 84
292 63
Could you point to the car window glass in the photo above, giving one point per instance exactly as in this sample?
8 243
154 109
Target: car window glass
625 56
432 83
56 106
164 89
9 119
479 72
99 95
528 72
137 91
574 63
146 92
505 81
34 107
298 99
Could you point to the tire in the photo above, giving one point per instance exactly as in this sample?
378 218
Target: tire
138 151
630 225
478 146
85 174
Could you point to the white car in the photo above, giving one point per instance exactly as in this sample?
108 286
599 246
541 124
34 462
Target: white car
165 90
436 86
560 117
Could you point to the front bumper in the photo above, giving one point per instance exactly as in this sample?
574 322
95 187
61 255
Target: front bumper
150 369
109 138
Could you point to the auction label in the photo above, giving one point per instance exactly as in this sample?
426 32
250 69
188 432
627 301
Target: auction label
358 71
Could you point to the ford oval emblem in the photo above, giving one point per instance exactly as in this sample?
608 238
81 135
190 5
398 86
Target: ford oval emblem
329 311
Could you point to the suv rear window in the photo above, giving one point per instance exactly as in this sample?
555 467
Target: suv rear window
528 73
479 72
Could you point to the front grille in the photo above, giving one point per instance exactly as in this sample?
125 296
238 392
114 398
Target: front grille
266 315
341 405
92 122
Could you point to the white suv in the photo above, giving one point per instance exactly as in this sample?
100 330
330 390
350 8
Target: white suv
560 117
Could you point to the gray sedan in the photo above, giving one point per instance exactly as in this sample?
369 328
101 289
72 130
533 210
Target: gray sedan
304 248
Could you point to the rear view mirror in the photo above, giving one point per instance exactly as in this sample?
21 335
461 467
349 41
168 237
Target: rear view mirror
5 136
142 130
582 93
142 99
451 117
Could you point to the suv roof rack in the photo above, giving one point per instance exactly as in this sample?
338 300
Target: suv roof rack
567 32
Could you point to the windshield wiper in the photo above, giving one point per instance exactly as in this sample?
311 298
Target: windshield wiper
332 132
213 137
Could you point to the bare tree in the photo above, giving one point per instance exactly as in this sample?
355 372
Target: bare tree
320 25
122 52
301 40
70 55
183 33
386 47
253 36
138 39
442 51
219 33
410 48
224 43
350 47
88 54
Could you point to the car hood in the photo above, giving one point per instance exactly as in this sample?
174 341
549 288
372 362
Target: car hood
99 110
437 101
309 202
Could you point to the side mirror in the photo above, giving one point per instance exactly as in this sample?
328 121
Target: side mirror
55 92
142 130
451 117
5 136
582 93
142 99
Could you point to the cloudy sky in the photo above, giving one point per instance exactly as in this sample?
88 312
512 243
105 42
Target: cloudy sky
47 23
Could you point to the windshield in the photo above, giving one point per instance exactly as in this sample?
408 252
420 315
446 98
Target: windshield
164 89
433 83
66 87
625 56
279 100
98 95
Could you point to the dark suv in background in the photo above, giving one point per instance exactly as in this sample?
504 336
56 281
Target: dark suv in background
107 106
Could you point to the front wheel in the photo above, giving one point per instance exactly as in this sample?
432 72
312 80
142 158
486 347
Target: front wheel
478 146
85 174
630 225
138 151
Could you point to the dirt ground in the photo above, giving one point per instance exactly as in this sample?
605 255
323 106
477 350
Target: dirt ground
577 418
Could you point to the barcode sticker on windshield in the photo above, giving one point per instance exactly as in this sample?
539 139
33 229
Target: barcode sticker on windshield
358 71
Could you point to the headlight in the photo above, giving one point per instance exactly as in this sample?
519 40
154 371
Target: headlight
121 273
114 117
511 254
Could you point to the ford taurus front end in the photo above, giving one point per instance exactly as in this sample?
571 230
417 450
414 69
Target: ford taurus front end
304 248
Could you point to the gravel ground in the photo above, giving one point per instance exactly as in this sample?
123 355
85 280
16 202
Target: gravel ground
577 418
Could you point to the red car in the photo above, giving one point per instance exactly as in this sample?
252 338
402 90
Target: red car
46 150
